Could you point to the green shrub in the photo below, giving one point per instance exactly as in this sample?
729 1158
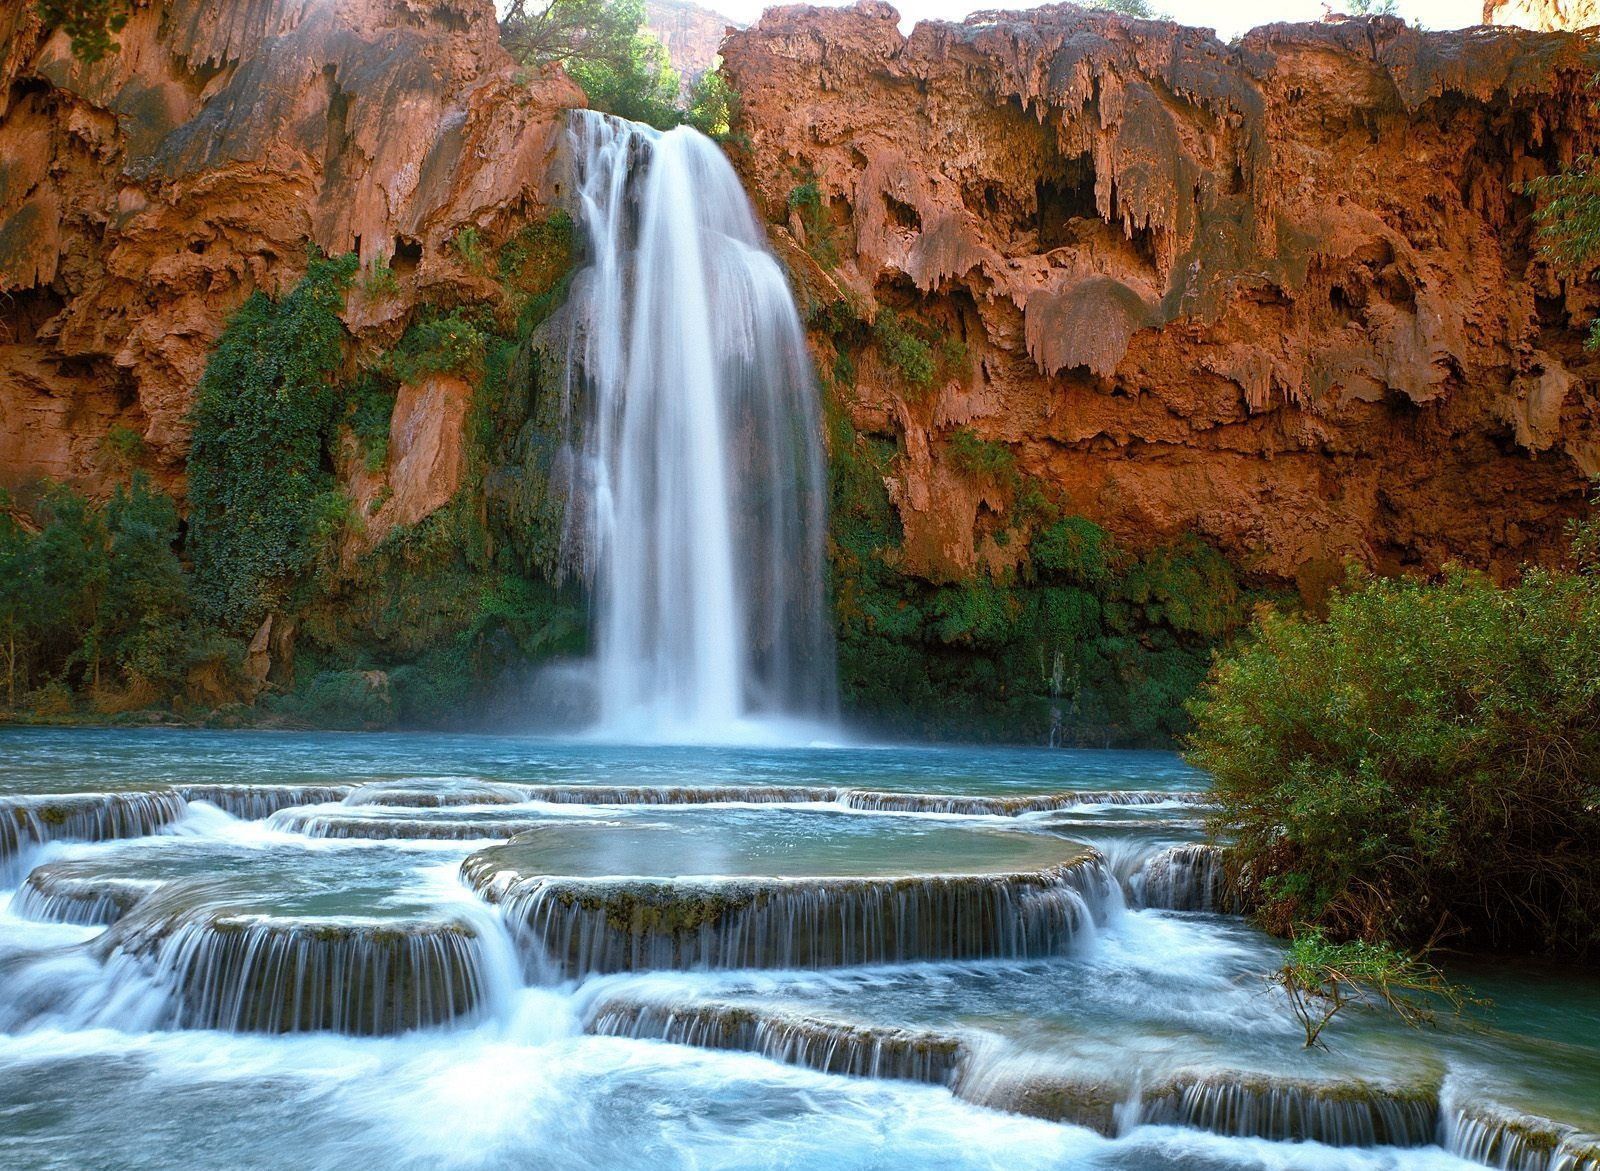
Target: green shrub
369 411
439 343
341 699
378 279
713 105
1074 550
1322 979
1422 764
903 350
982 457
806 201
263 412
469 250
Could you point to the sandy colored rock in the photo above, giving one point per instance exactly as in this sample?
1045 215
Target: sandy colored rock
1282 292
1545 16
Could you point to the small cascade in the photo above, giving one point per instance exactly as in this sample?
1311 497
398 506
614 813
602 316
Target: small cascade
64 892
576 926
33 819
887 802
258 802
1515 1142
253 973
828 1046
695 476
315 824
1341 1114
1188 877
412 796
1238 1104
682 794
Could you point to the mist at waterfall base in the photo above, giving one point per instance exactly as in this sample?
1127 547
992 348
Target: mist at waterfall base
692 468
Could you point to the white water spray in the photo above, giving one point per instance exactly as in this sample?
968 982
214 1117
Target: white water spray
696 503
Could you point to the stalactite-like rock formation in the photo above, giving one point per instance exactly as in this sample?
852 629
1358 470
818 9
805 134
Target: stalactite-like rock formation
143 198
1283 292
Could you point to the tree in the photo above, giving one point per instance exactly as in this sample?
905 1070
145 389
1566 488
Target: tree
147 600
90 23
262 415
19 597
601 43
559 31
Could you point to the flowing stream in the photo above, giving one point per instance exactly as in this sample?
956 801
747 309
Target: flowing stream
696 474
497 952
300 952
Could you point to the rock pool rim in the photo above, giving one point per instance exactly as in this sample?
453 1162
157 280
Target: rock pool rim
1020 856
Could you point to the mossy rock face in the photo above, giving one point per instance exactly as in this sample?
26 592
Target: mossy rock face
1353 1113
1340 1113
67 892
1497 1137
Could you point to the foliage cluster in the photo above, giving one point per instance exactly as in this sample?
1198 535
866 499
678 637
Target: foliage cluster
1425 763
1569 222
1088 643
806 202
622 68
262 417
100 599
1322 978
96 599
91 24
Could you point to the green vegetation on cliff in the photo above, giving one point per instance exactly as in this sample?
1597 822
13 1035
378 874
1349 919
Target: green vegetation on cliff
95 601
1422 765
621 67
263 414
1087 642
119 607
1569 222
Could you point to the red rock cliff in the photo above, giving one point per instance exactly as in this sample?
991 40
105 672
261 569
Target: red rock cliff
1282 292
143 198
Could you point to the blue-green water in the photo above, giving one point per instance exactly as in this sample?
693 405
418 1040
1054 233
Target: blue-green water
98 1071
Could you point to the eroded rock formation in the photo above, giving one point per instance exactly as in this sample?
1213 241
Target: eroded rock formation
1543 15
142 199
1282 292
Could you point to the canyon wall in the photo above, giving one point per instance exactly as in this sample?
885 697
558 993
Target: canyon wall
1283 293
143 198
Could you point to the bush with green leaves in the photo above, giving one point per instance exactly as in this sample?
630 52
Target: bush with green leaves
262 417
97 597
1422 764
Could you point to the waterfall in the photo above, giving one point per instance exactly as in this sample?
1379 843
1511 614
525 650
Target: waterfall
694 469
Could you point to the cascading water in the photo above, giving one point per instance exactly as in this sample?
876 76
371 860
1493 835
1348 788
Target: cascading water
695 470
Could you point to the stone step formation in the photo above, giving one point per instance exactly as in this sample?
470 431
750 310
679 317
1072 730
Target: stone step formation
1074 957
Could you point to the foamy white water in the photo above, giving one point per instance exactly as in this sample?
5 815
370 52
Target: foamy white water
696 477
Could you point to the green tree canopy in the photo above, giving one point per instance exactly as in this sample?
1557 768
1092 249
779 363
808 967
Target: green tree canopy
604 47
